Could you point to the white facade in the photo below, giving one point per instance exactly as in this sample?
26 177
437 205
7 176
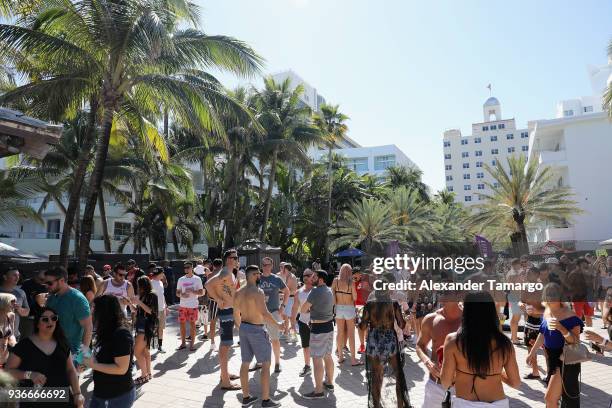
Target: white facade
371 160
578 147
491 141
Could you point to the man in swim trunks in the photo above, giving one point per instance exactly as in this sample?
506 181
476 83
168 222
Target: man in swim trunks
222 287
434 328
250 306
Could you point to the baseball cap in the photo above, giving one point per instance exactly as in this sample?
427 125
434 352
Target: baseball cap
107 267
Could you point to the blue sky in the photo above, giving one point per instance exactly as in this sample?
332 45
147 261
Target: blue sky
405 71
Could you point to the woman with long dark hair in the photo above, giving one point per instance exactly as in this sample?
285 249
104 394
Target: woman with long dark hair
146 327
560 326
111 361
478 358
382 347
44 360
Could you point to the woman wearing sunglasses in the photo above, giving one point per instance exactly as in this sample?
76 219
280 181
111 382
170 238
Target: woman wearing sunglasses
44 360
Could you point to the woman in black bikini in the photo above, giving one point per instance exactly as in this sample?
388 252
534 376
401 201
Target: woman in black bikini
478 358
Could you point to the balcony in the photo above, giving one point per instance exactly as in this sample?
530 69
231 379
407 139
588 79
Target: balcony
560 233
549 157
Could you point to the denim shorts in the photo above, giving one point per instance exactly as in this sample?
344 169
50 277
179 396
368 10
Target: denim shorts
345 312
254 341
123 401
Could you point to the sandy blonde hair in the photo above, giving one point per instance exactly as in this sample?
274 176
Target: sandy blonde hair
5 302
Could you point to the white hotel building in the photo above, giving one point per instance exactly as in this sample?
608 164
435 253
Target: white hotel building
577 145
491 141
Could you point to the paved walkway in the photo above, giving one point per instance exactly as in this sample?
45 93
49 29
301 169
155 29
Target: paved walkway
184 379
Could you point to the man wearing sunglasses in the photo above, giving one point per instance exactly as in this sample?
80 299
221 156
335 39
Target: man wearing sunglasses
222 288
72 309
119 287
188 288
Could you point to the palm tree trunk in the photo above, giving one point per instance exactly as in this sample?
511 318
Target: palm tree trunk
230 230
74 200
77 229
329 204
102 210
95 180
175 243
264 226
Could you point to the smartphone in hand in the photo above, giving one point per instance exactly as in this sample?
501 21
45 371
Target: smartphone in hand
597 348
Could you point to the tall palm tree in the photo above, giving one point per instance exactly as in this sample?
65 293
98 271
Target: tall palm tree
16 186
445 197
403 176
288 131
332 127
523 194
129 55
411 214
370 224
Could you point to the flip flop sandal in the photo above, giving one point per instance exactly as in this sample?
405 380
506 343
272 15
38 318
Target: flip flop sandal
232 387
234 377
181 347
140 380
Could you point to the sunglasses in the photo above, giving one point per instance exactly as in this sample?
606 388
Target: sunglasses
233 257
50 283
48 319
266 264
123 275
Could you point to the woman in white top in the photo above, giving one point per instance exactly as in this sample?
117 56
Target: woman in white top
158 288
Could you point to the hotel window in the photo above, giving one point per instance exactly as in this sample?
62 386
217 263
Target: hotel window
478 153
509 136
447 156
494 151
481 186
479 175
384 162
524 135
588 109
494 138
569 112
466 176
449 178
511 149
493 127
496 184
465 154
478 164
358 164
448 167
467 187
477 140
53 229
122 230
467 198
446 143
466 165
525 148
501 126
485 128
464 142
493 162
449 188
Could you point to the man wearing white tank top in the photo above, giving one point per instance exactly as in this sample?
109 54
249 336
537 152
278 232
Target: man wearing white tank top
118 286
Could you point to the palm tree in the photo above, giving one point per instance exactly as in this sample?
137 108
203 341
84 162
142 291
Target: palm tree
522 195
370 224
445 197
130 56
16 186
411 214
288 131
403 176
332 127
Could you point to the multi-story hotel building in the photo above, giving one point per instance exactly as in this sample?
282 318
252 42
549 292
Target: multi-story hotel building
491 141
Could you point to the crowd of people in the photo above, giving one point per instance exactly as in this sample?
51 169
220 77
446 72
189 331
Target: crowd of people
102 323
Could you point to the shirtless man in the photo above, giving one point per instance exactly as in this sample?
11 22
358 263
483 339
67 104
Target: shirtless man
531 306
434 328
222 288
286 274
250 305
